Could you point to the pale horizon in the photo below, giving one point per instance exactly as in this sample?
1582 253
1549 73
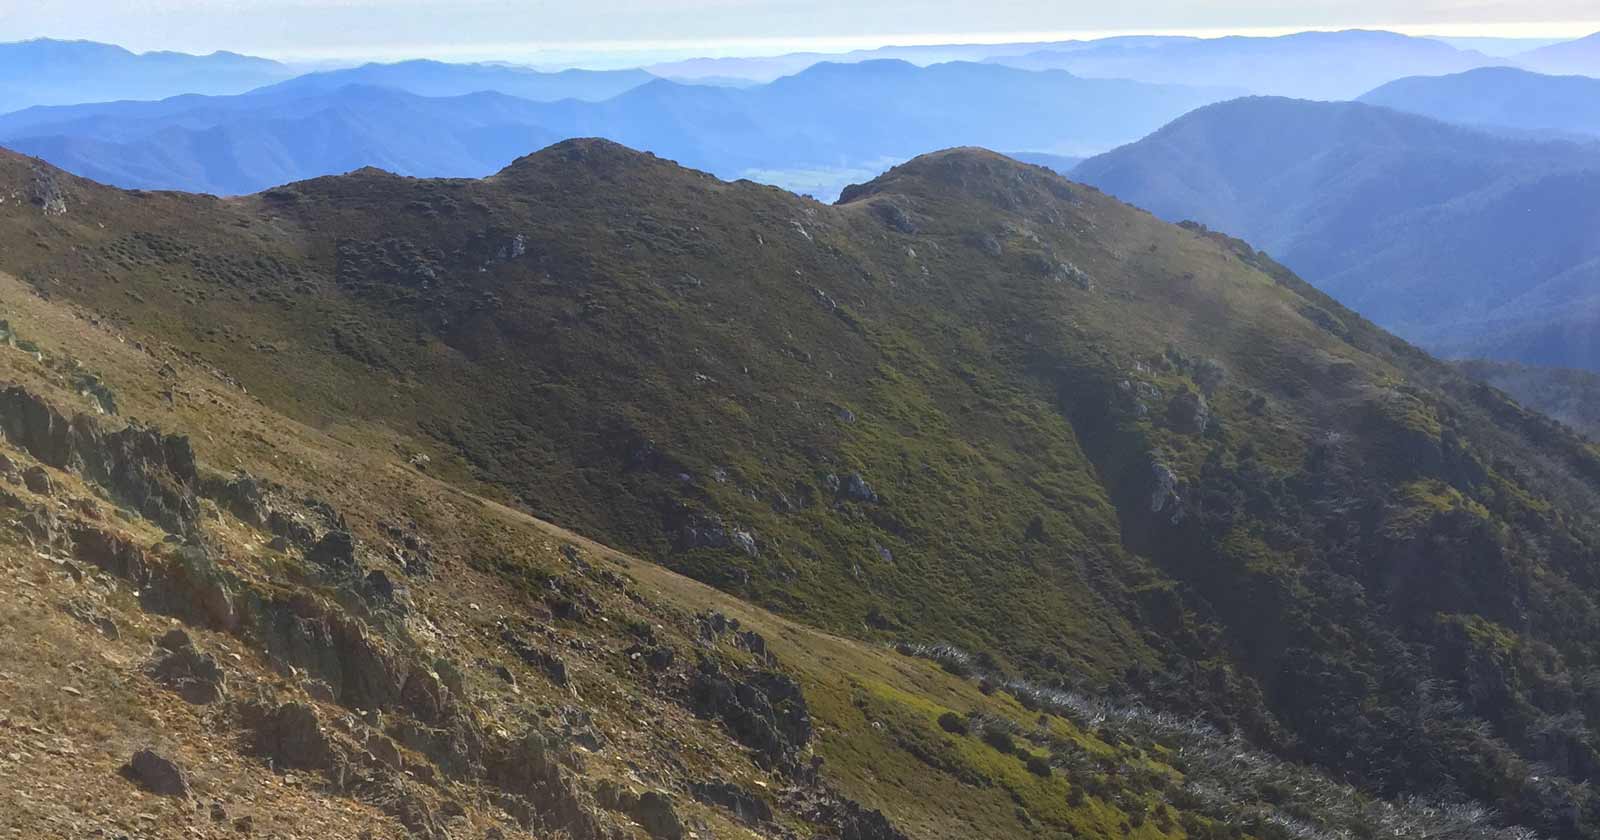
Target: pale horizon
645 33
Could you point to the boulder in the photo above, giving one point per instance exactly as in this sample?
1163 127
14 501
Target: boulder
37 480
158 774
656 813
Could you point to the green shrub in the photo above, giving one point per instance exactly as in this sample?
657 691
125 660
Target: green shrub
954 723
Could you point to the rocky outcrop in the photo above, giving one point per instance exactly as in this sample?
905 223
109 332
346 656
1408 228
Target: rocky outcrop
331 646
762 710
541 791
846 818
141 468
746 806
180 666
709 531
290 735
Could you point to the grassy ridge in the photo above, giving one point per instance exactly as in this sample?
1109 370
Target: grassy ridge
971 403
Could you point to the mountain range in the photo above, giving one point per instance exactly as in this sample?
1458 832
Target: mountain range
1499 98
1471 243
831 117
49 72
1581 56
1308 65
1081 524
439 79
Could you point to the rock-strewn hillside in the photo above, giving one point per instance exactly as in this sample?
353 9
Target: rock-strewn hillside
1202 539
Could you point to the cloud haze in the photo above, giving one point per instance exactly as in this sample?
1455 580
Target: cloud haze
498 27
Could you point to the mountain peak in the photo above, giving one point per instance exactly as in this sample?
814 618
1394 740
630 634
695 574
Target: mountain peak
585 150
969 170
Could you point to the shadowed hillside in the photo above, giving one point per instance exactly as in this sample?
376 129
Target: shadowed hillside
1472 244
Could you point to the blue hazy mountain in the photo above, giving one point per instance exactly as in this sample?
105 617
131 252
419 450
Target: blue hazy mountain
831 118
1471 243
226 145
1499 98
49 72
1579 57
1310 65
437 78
1060 164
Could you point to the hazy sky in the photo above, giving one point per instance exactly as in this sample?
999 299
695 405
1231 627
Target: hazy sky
516 29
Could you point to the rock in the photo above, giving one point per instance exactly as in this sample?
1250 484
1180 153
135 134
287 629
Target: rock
243 496
895 216
746 806
158 774
1076 276
291 736
219 814
1164 496
655 812
849 821
379 587
149 472
192 587
308 633
856 489
763 710
195 676
744 541
320 691
44 192
425 695
289 527
336 551
543 793
1189 413
577 728
709 531
37 480
986 243
385 750
545 661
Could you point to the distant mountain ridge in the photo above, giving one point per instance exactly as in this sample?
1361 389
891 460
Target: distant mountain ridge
1469 243
831 117
52 72
1306 65
1498 97
1581 56
436 78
